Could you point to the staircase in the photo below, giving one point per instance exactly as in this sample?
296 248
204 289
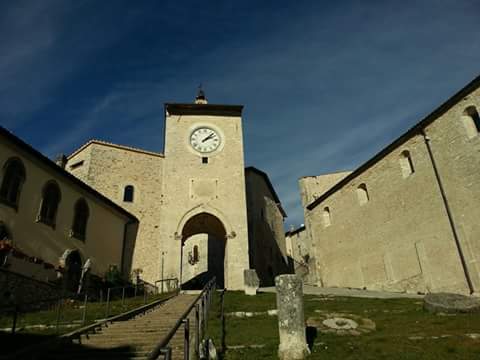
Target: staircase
132 339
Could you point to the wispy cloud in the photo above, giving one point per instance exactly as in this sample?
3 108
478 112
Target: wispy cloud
325 86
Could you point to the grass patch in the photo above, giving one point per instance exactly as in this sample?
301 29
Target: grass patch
71 313
403 329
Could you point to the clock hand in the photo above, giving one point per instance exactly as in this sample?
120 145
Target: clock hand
208 137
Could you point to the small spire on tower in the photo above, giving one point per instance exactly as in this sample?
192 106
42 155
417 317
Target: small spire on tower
200 98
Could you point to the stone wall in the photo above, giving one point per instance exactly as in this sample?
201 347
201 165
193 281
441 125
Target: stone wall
301 254
268 254
109 169
311 187
388 227
172 190
105 229
456 153
19 289
216 187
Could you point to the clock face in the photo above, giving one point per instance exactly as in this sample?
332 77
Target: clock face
205 140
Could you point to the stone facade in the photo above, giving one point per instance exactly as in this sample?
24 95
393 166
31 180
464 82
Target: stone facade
407 219
186 198
110 230
205 192
268 253
300 252
127 166
302 247
311 187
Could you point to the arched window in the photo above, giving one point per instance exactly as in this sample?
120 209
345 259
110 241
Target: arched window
13 179
80 219
471 121
195 254
406 164
50 200
327 220
128 193
362 194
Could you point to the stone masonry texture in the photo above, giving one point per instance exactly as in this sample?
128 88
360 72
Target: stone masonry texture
402 238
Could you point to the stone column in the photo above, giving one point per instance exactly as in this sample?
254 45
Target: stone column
291 323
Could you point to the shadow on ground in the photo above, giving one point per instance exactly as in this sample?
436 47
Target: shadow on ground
43 347
311 333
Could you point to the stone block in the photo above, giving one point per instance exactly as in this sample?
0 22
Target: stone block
291 321
252 282
451 303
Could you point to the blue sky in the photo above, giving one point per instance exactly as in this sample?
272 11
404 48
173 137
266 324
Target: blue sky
325 84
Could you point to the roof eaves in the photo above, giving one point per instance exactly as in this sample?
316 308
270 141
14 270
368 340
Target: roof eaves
117 146
62 172
203 109
414 130
270 187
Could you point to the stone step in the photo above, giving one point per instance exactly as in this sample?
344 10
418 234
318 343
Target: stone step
132 339
131 355
127 341
139 329
158 331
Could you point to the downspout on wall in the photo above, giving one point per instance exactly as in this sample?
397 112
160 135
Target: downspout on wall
449 213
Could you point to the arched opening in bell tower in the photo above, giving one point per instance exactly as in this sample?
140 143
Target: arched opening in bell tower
203 251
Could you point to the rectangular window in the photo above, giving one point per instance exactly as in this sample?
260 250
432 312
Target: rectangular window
204 160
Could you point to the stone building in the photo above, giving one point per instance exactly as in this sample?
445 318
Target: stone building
300 239
191 200
131 178
52 223
268 254
407 219
300 254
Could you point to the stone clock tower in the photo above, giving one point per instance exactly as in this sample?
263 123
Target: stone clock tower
204 190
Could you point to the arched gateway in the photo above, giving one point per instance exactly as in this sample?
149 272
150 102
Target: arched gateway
203 247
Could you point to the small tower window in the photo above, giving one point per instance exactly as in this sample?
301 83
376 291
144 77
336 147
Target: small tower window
195 254
327 219
50 200
471 121
362 194
406 164
80 219
128 193
13 179
204 160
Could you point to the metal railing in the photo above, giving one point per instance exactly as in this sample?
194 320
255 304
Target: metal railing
46 346
71 310
202 305
166 284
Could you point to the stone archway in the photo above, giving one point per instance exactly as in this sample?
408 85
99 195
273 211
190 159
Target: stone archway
203 250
